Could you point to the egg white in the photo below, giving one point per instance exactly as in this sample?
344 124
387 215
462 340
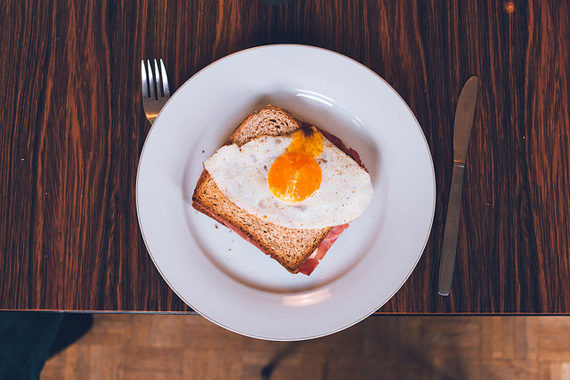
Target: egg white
241 175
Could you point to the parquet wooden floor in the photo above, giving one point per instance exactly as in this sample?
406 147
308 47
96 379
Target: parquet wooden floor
189 347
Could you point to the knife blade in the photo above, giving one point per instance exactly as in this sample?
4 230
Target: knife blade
464 113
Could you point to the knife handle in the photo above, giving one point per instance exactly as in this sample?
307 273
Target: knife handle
449 247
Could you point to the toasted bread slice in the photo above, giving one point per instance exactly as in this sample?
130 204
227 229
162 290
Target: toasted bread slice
290 247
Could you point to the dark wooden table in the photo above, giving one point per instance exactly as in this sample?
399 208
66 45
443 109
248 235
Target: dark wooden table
72 128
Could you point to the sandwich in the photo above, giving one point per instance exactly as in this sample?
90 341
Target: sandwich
286 186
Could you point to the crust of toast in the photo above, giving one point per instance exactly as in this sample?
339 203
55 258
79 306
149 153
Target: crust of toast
290 247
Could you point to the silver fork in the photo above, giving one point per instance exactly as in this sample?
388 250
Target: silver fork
155 91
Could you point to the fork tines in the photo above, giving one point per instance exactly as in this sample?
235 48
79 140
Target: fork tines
154 80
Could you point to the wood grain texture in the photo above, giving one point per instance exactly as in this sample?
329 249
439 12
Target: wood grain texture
73 127
383 347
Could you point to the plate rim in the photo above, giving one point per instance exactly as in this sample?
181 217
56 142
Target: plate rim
382 303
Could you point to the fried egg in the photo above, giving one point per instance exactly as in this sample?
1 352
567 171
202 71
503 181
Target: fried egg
300 180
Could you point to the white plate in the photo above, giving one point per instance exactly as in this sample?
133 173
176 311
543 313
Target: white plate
228 280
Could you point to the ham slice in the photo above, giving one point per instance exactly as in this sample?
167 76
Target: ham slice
311 263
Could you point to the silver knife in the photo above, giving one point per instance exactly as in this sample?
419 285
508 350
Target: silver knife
461 132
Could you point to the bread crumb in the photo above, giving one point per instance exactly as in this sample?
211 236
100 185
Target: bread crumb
216 226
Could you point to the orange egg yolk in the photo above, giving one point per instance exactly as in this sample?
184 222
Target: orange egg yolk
296 175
